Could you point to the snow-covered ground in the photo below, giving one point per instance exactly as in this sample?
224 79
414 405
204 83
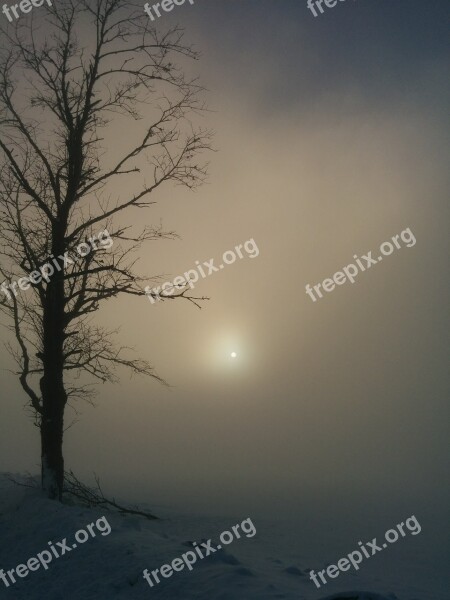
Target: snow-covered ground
265 566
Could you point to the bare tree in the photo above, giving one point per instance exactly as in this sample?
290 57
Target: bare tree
64 74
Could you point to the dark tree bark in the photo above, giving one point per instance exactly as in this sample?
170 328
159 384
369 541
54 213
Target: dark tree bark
53 393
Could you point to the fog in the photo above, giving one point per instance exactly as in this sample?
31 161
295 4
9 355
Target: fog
329 142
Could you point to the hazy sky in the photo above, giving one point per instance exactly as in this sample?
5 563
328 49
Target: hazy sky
332 137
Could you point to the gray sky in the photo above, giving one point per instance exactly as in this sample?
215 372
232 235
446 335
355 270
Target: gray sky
331 139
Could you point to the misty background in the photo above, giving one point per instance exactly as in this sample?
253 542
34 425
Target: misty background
332 137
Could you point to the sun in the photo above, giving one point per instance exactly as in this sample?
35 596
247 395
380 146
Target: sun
233 355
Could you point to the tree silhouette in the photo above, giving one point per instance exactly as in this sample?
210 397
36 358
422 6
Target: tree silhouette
65 72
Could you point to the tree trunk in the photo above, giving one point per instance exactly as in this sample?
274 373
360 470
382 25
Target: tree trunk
54 400
54 397
52 461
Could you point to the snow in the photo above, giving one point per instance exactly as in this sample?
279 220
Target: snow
110 567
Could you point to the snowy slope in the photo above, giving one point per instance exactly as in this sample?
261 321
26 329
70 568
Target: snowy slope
110 567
